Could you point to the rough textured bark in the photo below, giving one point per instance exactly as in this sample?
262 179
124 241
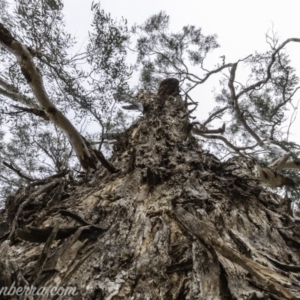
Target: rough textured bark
173 223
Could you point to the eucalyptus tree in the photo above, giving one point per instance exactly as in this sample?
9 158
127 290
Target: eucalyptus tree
254 108
163 217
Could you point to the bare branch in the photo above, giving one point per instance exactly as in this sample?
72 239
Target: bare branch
204 130
240 115
271 178
279 163
215 115
202 80
18 171
235 96
35 111
219 137
269 75
292 119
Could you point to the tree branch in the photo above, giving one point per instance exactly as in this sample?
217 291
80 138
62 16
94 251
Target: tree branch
271 178
269 75
204 130
34 79
38 112
235 98
218 137
214 115
18 171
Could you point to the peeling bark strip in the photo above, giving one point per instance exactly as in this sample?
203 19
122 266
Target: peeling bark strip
81 220
272 178
41 235
120 241
45 254
272 280
131 164
35 81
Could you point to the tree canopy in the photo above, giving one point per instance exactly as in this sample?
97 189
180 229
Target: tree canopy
43 80
178 211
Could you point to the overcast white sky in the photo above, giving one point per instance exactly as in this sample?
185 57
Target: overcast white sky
241 26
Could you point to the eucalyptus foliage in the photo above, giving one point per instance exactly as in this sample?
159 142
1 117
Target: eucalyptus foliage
257 109
258 123
81 85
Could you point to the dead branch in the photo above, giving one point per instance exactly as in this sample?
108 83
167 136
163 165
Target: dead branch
272 178
281 162
204 130
47 179
131 163
57 195
38 112
202 80
98 156
44 189
283 266
222 138
41 235
105 162
235 98
134 106
18 171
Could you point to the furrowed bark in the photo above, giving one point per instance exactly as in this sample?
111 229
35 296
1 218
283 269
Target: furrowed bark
174 223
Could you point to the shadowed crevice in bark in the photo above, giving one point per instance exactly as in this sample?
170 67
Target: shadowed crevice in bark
177 222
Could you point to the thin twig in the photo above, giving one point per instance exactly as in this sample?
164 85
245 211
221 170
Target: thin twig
18 171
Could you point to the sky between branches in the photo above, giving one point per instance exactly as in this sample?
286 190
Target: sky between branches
241 31
241 27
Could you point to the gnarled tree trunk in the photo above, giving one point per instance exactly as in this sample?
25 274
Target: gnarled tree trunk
173 223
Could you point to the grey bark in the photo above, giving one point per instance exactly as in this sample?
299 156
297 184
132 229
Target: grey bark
173 223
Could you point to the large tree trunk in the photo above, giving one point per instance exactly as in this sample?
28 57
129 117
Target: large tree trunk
173 223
